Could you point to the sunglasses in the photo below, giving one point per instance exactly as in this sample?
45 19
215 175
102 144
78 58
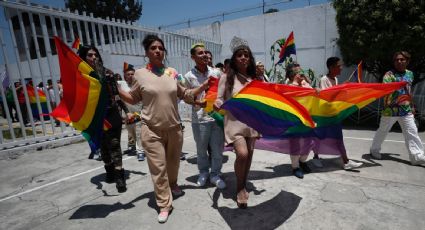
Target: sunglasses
91 55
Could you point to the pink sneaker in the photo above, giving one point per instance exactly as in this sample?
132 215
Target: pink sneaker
163 216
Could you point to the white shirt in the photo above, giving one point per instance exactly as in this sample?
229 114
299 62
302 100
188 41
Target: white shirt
193 79
327 82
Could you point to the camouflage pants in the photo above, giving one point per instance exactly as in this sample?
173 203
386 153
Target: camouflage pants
110 145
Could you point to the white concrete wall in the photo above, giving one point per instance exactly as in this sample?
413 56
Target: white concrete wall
314 29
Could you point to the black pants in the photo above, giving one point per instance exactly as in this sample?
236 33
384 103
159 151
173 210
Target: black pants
24 113
12 106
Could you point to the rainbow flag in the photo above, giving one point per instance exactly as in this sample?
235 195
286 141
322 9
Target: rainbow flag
32 96
33 103
267 110
84 96
211 94
334 104
288 48
76 44
210 97
327 109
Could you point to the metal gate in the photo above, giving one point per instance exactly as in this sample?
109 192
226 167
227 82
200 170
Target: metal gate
29 67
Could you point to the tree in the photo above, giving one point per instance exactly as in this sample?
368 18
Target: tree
127 10
372 30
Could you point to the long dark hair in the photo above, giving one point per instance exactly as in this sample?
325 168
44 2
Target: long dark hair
82 52
233 71
99 68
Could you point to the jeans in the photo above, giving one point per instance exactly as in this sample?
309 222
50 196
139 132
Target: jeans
212 135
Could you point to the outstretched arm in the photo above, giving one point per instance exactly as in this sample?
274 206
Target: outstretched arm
189 95
125 96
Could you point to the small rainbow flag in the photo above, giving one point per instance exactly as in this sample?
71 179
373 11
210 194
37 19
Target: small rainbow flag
84 96
211 94
33 103
210 97
76 44
125 67
288 48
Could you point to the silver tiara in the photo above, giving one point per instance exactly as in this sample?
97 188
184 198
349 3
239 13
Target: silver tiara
236 43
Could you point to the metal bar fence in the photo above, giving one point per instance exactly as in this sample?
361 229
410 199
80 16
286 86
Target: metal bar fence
31 30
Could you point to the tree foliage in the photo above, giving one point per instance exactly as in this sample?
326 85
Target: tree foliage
372 30
127 10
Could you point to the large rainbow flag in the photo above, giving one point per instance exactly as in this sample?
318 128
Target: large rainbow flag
332 105
288 48
267 110
84 98
325 109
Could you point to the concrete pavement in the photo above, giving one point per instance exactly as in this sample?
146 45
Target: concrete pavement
61 189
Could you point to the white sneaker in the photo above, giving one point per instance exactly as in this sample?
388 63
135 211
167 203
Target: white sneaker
351 164
97 155
376 155
202 179
417 159
317 162
218 182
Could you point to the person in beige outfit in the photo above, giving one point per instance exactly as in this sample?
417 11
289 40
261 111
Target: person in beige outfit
156 86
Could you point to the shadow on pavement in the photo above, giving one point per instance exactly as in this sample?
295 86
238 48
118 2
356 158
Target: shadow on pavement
103 210
96 180
229 177
388 157
269 215
192 160
98 210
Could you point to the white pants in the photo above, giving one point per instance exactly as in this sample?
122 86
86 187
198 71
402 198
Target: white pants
410 131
